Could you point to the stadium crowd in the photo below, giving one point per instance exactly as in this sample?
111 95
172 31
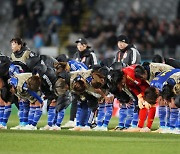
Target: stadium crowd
91 87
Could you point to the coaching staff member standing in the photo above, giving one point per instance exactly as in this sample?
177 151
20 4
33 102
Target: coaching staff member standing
127 53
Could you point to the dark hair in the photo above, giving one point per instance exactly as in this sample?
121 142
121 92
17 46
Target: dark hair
139 71
79 86
123 97
167 92
157 59
114 77
150 95
34 83
96 80
19 41
177 101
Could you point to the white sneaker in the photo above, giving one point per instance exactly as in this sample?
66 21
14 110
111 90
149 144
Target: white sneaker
102 128
166 131
145 130
3 127
47 127
29 127
86 128
175 131
69 124
18 127
55 127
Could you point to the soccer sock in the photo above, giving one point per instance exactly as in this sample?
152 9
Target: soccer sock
142 117
101 114
122 116
162 115
2 108
129 118
60 117
135 119
178 121
84 114
25 112
51 115
31 114
7 112
108 115
168 117
90 117
151 115
20 112
55 118
78 114
37 116
173 117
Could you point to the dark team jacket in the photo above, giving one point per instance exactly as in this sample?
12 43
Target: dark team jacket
130 55
87 57
172 62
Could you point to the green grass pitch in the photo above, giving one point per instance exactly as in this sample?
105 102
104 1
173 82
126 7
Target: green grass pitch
65 141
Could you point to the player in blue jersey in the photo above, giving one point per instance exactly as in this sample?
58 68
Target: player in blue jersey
27 87
164 83
18 67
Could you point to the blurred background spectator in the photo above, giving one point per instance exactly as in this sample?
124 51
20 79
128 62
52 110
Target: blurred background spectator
153 27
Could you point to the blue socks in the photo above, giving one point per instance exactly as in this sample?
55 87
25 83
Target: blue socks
122 116
108 115
2 108
20 112
7 112
168 117
31 114
135 119
25 113
101 114
129 117
90 117
162 115
78 114
37 116
51 115
173 117
60 117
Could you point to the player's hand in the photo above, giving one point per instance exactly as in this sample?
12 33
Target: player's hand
147 105
141 103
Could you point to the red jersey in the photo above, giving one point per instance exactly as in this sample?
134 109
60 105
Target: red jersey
136 85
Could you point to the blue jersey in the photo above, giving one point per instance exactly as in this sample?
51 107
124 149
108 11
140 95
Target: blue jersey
15 69
77 66
165 77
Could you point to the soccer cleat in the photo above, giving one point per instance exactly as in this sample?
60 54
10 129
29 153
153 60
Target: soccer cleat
175 131
132 129
69 124
117 128
3 127
102 128
86 128
47 127
145 130
55 127
159 130
166 131
77 128
18 127
29 127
